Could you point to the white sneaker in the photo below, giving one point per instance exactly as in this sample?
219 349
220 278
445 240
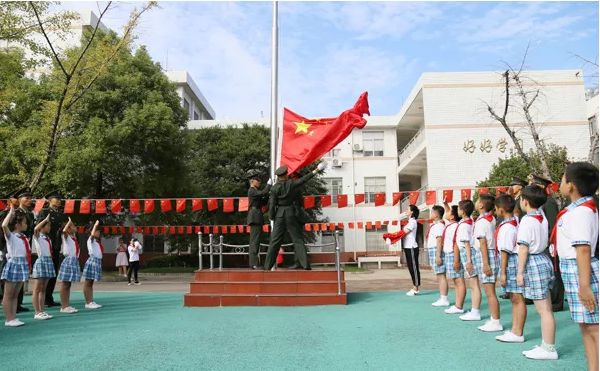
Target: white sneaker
492 325
411 293
48 316
470 316
129 284
510 337
41 316
441 303
138 283
539 352
68 310
14 323
454 310
93 305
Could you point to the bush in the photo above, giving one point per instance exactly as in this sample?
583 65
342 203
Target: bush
165 261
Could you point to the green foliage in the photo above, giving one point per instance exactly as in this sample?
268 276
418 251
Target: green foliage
165 261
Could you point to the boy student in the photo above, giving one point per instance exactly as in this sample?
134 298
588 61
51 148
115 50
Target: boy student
464 253
575 238
436 254
535 272
457 276
487 258
506 242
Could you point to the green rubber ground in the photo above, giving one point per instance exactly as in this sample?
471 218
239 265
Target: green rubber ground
376 331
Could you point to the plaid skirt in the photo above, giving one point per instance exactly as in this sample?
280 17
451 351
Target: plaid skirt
570 277
475 259
450 272
511 274
494 261
437 269
92 269
16 270
69 270
43 268
539 277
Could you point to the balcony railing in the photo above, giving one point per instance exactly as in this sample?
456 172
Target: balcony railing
410 147
405 202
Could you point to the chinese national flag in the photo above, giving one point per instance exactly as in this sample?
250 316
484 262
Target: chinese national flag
379 199
165 206
502 189
134 206
359 198
39 205
484 190
69 206
325 200
228 205
430 197
196 204
115 206
85 206
148 206
413 197
465 194
306 140
212 204
243 204
180 205
396 196
342 201
448 193
100 207
309 202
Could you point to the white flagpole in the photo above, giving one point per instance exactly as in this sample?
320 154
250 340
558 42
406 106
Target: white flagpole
274 83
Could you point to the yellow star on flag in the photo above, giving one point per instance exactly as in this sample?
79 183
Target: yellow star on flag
302 127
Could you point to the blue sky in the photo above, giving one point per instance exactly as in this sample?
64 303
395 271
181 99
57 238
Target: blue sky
332 51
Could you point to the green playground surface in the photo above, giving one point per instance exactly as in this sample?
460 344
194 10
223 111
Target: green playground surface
375 331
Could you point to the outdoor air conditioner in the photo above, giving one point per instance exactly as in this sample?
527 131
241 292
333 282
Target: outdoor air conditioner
357 148
336 162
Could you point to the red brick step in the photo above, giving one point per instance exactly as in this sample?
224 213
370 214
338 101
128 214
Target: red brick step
210 300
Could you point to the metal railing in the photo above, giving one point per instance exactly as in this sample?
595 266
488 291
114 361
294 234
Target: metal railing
408 149
212 248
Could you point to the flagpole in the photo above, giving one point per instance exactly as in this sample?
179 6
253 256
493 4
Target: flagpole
274 83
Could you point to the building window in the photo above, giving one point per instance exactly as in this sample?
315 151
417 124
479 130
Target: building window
373 186
334 187
373 143
593 122
186 107
374 239
196 117
333 153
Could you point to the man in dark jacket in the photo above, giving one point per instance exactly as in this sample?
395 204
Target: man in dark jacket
257 199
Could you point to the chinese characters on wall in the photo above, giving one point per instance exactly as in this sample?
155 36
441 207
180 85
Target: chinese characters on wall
486 145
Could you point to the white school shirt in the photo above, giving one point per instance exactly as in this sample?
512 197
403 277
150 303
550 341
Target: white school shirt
464 233
15 246
435 231
578 226
94 248
533 232
448 237
41 245
134 255
484 228
410 240
506 236
68 246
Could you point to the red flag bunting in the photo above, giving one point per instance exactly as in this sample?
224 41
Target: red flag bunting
340 225
266 228
113 230
240 228
105 230
448 195
206 229
243 204
69 207
351 225
430 197
180 230
85 207
360 225
465 194
165 206
163 230
122 230
171 230
501 189
359 198
197 229
39 205
116 206
307 227
332 226
397 196
134 206
100 207
232 229
309 202
2 204
213 204
325 200
369 225
247 229
180 205
139 229
215 229
196 204
379 199
413 198
484 190
394 222
228 205
131 230
378 225
315 227
149 206
323 226
342 201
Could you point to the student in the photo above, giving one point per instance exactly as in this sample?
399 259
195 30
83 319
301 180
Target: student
534 271
464 253
487 258
576 237
506 242
16 269
436 254
411 249
43 269
135 249
92 271
456 275
69 269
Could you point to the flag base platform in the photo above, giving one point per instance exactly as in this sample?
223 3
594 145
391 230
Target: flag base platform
245 287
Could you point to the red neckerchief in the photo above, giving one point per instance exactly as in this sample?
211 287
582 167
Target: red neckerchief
100 244
467 221
429 230
444 233
487 216
27 248
497 232
49 244
76 245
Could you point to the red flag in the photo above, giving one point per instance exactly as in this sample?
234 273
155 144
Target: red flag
105 230
379 199
332 226
171 230
115 206
369 225
309 202
122 230
266 228
378 225
413 197
351 225
430 197
323 226
223 229
394 222
39 205
241 228
342 201
232 229
228 205
315 227
307 227
448 194
2 204
81 229
215 229
397 196
85 207
553 188
180 205
247 229
484 190
69 206
502 189
359 198
180 230
165 206
325 200
206 229
134 206
197 229
139 229
340 225
306 140
148 206
100 207
360 225
213 204
243 204
196 204
114 230
465 194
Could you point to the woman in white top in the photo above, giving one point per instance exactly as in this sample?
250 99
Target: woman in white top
135 249
122 262
16 270
411 249
43 269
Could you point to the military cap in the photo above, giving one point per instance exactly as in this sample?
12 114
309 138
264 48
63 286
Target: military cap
541 181
23 192
518 181
53 194
252 174
12 194
282 170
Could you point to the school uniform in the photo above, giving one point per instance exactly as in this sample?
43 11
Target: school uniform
92 269
448 249
411 251
17 265
69 269
464 234
539 272
436 230
484 230
43 267
577 225
506 240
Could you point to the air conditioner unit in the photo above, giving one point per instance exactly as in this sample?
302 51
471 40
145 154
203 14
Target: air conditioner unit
357 148
336 162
